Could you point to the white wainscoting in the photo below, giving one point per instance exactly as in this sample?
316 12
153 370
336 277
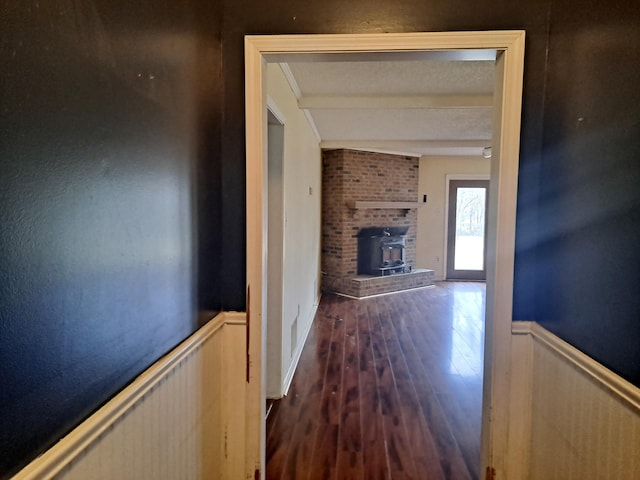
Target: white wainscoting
183 418
581 420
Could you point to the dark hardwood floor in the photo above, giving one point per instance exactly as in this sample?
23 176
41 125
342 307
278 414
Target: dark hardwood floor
386 388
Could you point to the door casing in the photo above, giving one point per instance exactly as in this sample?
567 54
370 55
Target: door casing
509 46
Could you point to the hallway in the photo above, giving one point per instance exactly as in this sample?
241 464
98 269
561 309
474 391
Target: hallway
388 387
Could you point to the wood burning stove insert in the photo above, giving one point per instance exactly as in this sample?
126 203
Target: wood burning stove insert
381 251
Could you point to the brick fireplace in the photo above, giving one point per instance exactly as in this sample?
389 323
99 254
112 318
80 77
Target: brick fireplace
364 190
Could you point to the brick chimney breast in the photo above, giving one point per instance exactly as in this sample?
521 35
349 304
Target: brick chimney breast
349 176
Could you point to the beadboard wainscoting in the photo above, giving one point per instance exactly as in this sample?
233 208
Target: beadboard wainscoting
184 417
579 419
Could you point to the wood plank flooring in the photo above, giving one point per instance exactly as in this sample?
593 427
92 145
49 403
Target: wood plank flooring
386 388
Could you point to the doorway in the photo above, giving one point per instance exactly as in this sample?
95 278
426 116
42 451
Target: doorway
275 252
468 205
509 46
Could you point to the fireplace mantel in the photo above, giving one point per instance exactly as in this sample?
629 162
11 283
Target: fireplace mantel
364 205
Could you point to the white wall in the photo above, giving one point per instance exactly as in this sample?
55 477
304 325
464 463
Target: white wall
431 239
302 177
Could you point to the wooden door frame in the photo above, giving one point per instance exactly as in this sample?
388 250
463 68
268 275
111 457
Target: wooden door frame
502 213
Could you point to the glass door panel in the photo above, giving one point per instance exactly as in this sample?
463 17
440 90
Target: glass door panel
466 240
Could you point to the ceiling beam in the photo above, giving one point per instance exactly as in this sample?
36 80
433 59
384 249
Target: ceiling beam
395 102
412 147
480 143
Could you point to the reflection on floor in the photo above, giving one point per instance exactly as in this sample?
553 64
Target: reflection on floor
386 388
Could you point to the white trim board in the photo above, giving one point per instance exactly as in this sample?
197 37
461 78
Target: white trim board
383 294
273 107
509 48
288 74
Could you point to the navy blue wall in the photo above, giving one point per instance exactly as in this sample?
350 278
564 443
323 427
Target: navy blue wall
109 141
122 181
589 237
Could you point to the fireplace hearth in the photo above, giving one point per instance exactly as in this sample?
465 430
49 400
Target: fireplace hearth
381 251
369 249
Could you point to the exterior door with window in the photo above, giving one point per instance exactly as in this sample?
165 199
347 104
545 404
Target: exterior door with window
467 232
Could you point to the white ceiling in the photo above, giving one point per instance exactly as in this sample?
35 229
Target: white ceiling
431 105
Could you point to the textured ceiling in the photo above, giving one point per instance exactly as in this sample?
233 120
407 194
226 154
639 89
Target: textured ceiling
409 107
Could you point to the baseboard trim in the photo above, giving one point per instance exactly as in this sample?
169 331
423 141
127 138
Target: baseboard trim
54 460
383 294
604 377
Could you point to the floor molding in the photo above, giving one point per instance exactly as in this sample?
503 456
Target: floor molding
382 294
